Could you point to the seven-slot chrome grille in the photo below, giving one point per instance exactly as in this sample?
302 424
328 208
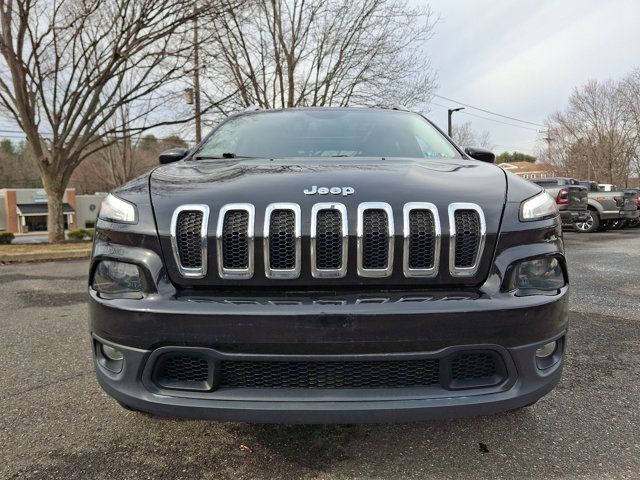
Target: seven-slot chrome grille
282 247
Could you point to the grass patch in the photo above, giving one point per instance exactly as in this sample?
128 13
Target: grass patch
44 247
44 251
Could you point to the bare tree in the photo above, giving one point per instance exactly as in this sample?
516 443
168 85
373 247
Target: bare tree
113 165
464 135
287 53
630 89
67 67
596 134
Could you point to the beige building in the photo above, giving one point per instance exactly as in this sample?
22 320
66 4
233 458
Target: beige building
529 170
24 210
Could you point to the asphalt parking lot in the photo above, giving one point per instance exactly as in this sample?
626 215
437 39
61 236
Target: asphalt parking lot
55 422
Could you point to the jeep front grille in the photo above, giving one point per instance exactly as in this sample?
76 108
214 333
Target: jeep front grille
189 239
421 240
282 240
375 239
235 241
329 240
468 232
188 232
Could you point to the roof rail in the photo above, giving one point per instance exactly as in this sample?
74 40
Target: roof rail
252 108
400 107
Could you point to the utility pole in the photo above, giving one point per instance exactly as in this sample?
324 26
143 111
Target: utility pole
586 159
450 112
196 75
548 140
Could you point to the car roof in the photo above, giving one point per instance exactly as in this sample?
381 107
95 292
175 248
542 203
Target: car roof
257 110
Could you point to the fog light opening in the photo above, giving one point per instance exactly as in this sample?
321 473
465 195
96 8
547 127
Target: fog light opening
109 358
547 349
112 354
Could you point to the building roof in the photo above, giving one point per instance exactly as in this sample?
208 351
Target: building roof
522 166
40 208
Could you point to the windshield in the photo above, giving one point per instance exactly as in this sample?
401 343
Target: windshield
328 133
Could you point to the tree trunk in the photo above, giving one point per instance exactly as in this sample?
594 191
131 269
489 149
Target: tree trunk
55 221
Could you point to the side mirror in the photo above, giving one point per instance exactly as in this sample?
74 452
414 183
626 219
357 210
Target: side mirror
480 154
173 155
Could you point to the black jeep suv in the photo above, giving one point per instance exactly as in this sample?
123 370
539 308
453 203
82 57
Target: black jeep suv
328 265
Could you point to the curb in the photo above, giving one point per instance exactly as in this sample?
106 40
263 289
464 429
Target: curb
45 256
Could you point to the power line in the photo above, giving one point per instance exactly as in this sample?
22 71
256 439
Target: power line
490 119
17 137
488 111
503 123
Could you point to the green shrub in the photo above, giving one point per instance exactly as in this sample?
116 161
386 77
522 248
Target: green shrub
79 234
6 237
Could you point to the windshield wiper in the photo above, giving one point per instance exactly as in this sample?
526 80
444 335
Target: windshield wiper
224 155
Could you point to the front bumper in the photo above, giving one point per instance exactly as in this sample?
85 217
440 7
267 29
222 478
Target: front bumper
309 327
338 324
530 384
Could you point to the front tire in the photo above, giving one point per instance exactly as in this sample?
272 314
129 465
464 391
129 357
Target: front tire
591 224
621 225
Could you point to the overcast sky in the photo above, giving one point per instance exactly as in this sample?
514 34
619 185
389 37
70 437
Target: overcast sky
522 58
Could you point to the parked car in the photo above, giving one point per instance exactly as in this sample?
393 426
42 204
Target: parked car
328 265
608 209
570 196
635 223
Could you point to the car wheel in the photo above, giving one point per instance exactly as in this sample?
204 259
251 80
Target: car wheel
591 224
621 224
606 225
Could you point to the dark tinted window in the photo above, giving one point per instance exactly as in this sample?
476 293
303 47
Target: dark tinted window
546 183
591 186
326 133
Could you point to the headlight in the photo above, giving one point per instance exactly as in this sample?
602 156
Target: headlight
539 207
114 209
113 279
539 275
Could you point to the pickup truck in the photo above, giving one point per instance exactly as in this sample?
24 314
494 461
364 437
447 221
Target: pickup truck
570 196
608 209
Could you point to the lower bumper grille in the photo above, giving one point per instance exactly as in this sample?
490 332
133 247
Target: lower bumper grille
459 370
318 374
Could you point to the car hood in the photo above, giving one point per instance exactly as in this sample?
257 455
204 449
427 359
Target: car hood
261 182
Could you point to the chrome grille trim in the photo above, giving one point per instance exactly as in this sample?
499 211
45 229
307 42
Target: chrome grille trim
375 272
421 272
275 273
465 271
236 273
190 272
329 273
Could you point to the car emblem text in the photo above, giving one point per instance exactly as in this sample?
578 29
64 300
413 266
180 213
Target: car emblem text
344 191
